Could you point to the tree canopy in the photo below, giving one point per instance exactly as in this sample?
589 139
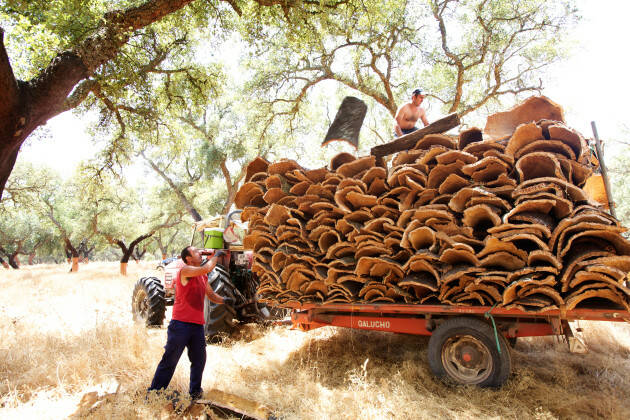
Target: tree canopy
83 44
465 53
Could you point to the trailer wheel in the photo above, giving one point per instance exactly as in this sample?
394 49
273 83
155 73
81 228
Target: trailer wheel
464 351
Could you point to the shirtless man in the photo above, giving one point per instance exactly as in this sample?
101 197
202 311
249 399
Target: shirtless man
408 114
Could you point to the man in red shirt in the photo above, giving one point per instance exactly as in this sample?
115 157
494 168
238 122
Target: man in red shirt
186 327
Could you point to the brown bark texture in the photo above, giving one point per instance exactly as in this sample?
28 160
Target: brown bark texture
409 140
27 105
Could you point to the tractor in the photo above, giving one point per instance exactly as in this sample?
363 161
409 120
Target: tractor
232 277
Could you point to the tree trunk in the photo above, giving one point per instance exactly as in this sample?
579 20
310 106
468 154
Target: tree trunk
14 264
70 249
163 249
128 251
139 254
230 185
126 256
124 261
27 105
178 192
409 140
228 202
67 252
31 259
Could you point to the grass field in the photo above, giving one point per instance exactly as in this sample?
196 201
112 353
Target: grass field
70 337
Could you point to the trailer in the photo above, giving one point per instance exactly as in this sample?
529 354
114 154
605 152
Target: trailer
469 344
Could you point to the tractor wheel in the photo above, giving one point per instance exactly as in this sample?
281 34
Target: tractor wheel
464 351
147 302
219 318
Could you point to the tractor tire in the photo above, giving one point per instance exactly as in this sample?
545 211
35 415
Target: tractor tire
219 318
464 351
147 302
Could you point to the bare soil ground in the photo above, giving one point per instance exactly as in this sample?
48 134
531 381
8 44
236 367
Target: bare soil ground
68 341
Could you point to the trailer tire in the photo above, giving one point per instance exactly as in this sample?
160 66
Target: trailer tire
147 302
218 318
464 351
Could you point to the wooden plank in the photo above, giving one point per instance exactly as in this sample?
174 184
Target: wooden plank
407 141
234 403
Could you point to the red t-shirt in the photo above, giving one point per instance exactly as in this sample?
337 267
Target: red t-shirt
189 299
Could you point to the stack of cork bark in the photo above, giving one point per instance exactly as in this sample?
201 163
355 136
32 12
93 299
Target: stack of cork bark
465 221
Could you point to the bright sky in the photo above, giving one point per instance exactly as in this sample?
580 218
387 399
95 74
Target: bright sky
591 86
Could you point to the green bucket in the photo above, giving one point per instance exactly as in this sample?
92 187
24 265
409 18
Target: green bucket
213 238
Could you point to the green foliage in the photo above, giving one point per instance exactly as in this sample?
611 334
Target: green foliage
41 28
25 214
467 54
618 172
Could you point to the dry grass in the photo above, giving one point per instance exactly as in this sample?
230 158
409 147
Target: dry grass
66 335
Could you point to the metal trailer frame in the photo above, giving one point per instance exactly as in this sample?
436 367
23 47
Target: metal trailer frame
421 319
465 344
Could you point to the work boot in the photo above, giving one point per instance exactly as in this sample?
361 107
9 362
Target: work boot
175 399
196 395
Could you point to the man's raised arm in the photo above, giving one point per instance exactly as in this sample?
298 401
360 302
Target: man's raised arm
397 120
423 117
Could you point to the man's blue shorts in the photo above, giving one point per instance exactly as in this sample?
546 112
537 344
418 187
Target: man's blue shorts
406 131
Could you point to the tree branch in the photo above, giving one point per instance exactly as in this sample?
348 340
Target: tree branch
178 192
79 94
8 85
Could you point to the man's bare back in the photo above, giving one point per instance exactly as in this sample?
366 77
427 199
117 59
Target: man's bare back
408 114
